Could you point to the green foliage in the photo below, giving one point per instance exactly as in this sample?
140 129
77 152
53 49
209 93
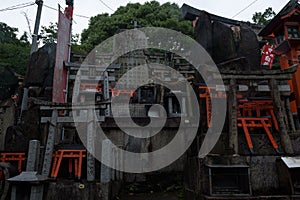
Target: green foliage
263 18
15 57
78 49
49 33
7 34
14 52
150 14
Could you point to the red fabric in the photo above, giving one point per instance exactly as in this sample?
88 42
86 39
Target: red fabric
267 57
69 12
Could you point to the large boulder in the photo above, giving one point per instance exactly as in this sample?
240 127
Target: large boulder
225 42
225 39
8 82
41 67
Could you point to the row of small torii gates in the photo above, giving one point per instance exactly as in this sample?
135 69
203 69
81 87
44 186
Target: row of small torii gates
249 114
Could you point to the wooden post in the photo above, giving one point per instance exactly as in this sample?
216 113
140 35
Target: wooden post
232 110
284 137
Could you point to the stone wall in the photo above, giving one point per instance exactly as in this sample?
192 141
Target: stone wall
264 176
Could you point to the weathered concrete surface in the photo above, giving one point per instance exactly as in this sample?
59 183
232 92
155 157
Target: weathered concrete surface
63 190
82 190
156 142
264 177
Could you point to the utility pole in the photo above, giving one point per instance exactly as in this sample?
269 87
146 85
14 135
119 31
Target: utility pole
34 48
70 4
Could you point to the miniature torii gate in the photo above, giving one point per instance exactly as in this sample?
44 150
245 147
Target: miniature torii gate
231 77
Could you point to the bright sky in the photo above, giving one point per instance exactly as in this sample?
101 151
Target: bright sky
88 8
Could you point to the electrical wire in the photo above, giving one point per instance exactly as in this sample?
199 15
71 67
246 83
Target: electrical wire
50 7
245 8
74 14
106 5
82 16
18 6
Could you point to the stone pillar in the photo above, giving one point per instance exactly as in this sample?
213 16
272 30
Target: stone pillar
37 192
32 165
284 136
107 157
289 114
183 109
33 155
170 105
13 193
105 170
232 111
90 146
50 144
